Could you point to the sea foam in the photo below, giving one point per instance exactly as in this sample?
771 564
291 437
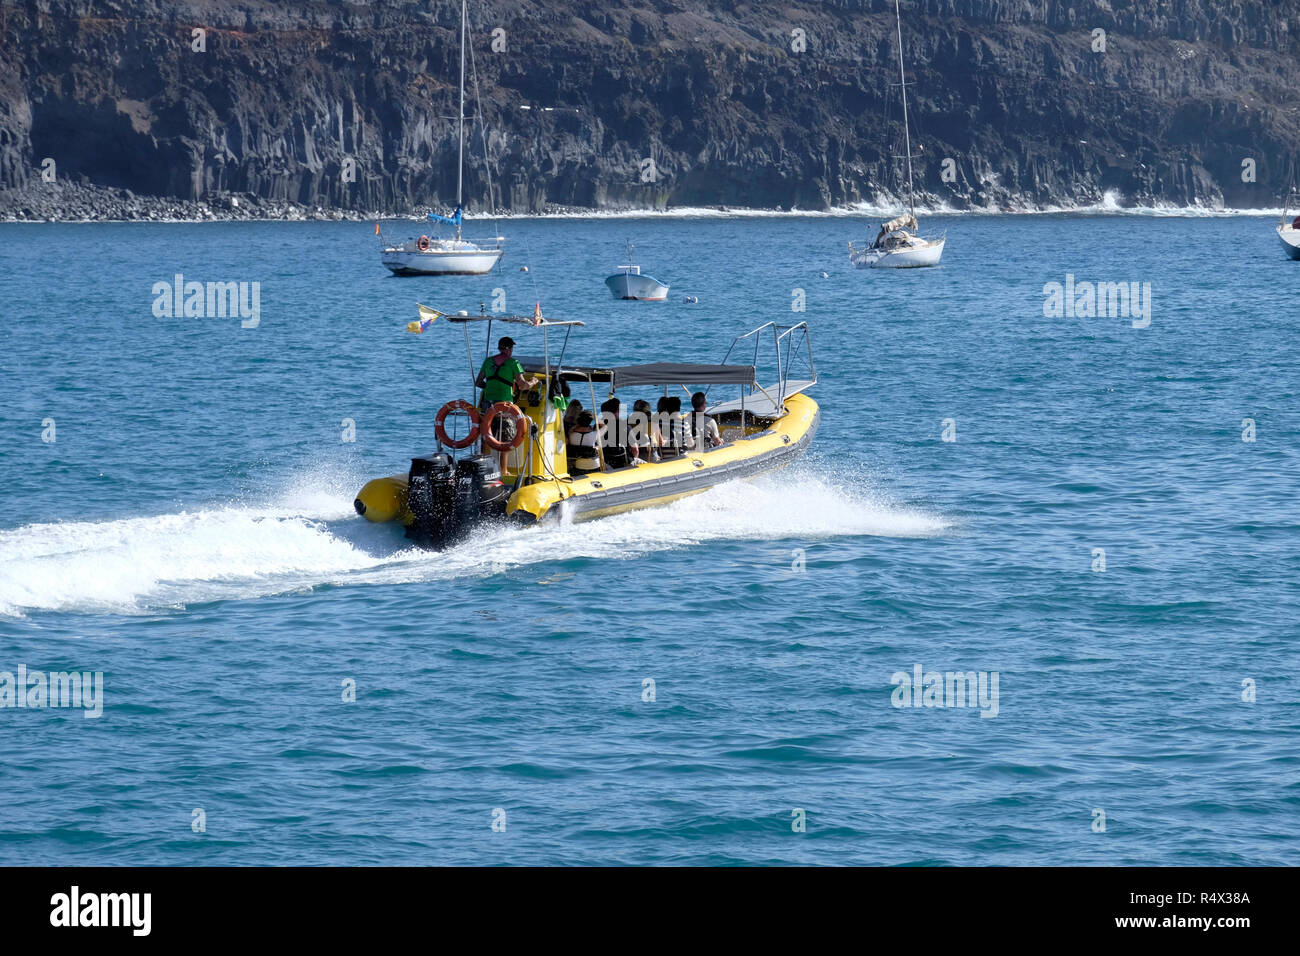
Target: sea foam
311 538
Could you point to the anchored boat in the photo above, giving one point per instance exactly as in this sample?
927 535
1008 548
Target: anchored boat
520 471
430 256
433 256
630 283
895 247
1289 232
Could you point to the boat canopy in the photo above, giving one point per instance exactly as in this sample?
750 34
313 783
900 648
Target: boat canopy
656 373
902 222
673 373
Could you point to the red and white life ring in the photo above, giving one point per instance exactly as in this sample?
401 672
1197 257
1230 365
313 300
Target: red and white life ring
520 423
423 244
459 405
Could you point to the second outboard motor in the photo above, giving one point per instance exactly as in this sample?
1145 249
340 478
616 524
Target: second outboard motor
480 492
431 496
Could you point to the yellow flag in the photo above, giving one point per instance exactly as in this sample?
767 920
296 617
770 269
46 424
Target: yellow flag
427 317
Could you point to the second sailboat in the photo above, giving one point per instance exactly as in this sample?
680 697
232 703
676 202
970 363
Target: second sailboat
896 247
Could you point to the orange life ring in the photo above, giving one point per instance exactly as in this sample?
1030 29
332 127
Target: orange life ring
459 405
521 426
423 244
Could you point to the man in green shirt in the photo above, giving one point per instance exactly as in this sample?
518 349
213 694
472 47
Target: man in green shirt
501 374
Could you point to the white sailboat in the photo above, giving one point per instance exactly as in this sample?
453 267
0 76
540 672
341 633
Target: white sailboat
433 256
896 247
1289 232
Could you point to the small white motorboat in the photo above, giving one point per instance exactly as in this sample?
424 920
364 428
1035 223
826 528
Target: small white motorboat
630 283
1289 232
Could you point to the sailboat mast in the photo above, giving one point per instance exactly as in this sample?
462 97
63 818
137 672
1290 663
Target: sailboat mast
907 136
460 128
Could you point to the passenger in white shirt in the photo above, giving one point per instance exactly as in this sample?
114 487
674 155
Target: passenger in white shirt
704 427
643 437
583 446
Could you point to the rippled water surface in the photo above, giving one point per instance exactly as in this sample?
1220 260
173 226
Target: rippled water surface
190 534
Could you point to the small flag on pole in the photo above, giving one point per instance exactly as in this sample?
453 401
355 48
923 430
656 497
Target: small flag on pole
427 317
537 314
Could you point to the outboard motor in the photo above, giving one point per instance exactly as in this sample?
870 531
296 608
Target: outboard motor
449 497
431 496
480 492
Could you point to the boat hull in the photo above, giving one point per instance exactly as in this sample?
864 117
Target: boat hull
439 263
1290 238
645 486
600 494
641 288
912 257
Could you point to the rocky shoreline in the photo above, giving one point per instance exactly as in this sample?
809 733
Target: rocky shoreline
79 202
86 202
82 202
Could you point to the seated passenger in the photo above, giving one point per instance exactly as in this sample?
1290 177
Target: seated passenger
688 428
614 450
670 429
571 414
643 436
583 446
704 428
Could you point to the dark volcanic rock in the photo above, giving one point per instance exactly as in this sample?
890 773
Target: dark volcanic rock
348 105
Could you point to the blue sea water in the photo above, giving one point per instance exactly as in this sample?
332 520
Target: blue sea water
189 533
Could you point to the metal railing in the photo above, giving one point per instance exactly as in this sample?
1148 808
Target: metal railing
795 337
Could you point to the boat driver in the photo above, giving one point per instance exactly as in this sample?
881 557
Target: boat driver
501 375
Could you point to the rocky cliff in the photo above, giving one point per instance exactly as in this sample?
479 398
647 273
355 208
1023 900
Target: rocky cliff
349 104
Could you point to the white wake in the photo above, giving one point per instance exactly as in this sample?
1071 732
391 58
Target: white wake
311 537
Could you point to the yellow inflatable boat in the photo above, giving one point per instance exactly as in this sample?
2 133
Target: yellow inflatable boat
514 460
